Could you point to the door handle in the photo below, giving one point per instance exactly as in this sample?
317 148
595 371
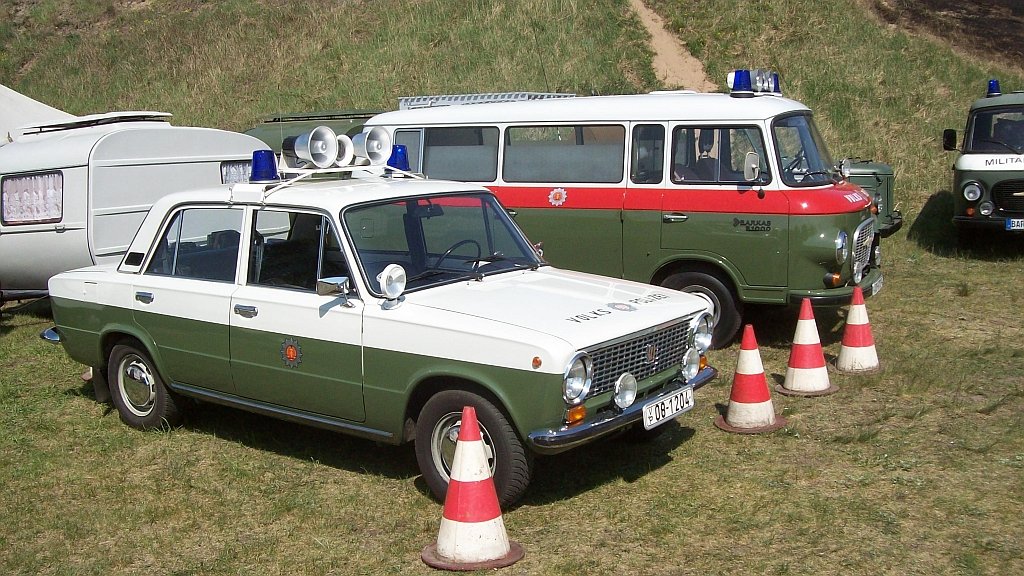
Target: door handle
669 218
246 311
144 297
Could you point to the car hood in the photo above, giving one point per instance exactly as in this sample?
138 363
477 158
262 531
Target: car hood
582 309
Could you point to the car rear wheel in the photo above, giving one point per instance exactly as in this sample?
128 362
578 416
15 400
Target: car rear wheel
727 308
437 433
137 390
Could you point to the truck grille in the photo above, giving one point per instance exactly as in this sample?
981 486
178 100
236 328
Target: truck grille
863 238
665 344
1009 195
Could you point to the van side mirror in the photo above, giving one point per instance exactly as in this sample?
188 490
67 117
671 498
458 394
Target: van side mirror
751 167
949 139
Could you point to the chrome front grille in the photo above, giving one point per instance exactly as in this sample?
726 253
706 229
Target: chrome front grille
642 355
863 237
1009 195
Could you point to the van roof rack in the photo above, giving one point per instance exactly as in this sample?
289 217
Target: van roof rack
411 102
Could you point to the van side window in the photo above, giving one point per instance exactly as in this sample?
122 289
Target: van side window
564 154
714 154
200 243
467 154
648 154
411 140
294 250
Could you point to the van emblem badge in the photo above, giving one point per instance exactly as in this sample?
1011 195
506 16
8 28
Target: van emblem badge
291 353
557 197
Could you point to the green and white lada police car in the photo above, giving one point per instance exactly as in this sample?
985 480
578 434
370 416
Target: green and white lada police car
379 306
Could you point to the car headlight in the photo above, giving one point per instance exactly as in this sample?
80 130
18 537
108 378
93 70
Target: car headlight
578 377
700 332
842 250
691 363
972 191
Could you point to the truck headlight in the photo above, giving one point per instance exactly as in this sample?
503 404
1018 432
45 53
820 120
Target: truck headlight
972 191
577 379
701 330
842 248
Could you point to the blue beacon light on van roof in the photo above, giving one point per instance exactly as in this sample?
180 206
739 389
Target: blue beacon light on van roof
744 83
264 167
993 89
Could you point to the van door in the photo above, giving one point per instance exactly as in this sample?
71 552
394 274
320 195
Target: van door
565 185
710 213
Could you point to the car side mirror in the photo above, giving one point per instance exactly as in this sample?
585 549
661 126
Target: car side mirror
337 286
949 139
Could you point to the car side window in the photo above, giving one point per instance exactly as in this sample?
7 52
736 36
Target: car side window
199 243
293 250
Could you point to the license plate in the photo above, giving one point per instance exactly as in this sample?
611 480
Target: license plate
668 407
1015 223
876 286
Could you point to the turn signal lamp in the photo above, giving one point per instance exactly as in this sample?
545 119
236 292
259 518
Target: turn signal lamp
575 415
969 211
833 279
264 166
993 89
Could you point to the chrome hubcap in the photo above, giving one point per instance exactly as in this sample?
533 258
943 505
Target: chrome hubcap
137 385
446 436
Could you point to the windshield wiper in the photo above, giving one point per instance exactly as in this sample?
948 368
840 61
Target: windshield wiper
1001 143
499 257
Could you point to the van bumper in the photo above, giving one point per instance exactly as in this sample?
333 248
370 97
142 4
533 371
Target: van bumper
870 285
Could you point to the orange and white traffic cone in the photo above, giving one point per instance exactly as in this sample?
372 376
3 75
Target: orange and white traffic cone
750 402
472 534
806 374
857 354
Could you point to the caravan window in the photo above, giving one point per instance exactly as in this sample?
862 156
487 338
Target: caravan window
564 154
200 243
714 154
32 198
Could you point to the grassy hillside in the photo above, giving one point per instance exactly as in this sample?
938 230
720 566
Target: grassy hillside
918 469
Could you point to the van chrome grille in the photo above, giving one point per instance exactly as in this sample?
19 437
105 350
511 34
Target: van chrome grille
863 238
642 354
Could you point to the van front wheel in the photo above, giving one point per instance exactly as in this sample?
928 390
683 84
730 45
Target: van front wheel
727 308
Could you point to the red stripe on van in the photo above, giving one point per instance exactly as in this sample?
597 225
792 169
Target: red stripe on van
837 199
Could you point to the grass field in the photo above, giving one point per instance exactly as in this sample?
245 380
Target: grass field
918 469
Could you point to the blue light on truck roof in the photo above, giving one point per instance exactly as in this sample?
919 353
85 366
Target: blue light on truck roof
264 166
993 89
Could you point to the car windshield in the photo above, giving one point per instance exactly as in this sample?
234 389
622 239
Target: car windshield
996 130
437 239
803 158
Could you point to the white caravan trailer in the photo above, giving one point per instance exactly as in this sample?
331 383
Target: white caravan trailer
74 191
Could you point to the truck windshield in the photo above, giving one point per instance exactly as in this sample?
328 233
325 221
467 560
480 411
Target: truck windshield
803 157
996 130
437 239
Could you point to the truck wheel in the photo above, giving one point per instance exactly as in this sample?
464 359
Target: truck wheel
437 431
727 308
138 392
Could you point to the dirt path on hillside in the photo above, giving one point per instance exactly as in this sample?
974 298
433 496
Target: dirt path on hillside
673 64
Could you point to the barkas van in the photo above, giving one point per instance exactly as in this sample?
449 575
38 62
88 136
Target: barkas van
74 189
380 307
988 174
732 196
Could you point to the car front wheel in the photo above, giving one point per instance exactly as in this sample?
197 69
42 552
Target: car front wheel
437 433
137 390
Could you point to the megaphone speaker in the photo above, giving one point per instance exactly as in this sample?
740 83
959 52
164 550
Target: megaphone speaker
374 145
319 147
346 151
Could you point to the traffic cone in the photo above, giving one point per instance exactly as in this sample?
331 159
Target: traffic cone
806 374
750 402
472 534
857 354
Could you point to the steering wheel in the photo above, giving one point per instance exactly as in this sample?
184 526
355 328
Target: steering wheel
796 161
448 252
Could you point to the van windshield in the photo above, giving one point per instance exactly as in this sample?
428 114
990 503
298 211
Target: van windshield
803 157
996 130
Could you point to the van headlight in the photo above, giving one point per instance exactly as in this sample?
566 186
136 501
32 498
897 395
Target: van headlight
972 191
578 377
700 332
842 249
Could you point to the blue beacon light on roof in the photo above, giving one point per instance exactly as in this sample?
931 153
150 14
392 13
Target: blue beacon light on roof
993 89
264 167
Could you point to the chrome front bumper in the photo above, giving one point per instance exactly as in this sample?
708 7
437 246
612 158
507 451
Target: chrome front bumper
551 441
